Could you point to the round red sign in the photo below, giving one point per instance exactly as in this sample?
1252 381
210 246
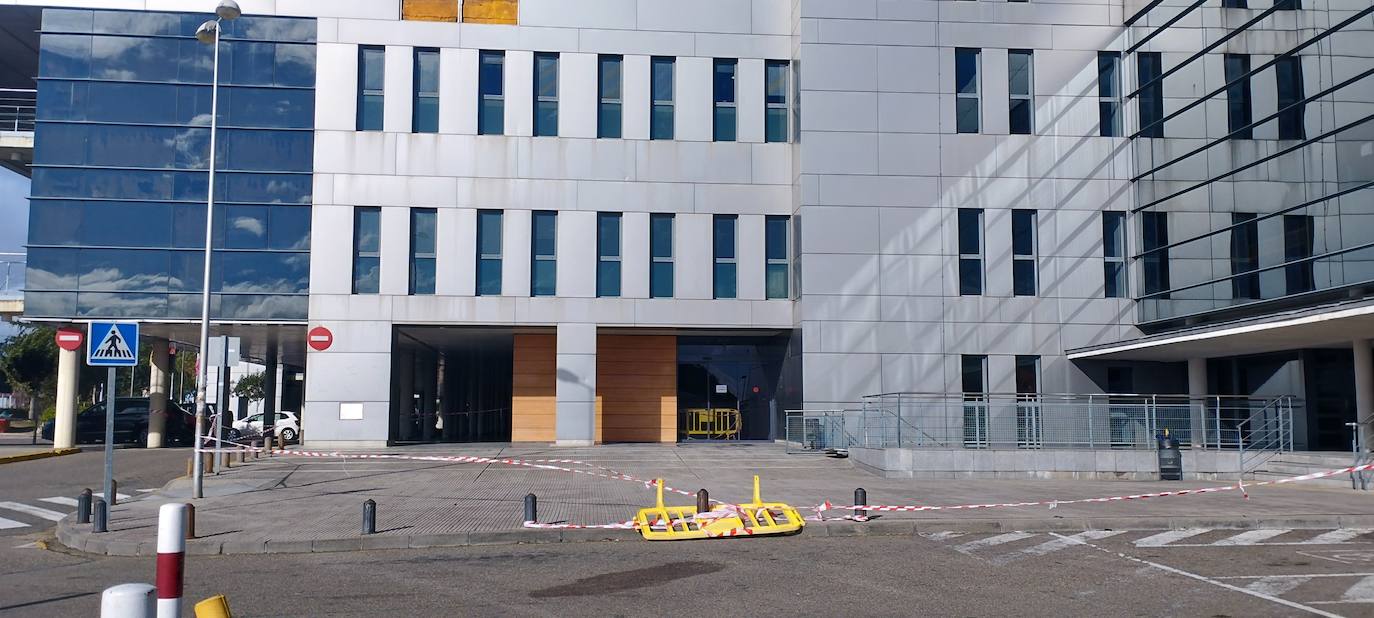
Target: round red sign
320 338
69 339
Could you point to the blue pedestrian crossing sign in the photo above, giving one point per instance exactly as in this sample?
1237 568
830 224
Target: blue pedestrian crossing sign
112 344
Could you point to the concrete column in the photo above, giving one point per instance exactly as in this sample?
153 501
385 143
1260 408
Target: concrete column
157 392
269 391
1364 390
1197 389
575 424
64 427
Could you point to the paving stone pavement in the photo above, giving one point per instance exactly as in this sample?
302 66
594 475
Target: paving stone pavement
299 504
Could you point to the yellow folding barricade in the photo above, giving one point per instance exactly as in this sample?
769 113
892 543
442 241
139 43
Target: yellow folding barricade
713 424
756 518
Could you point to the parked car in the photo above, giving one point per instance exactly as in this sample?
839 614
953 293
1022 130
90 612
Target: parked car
130 423
16 419
288 426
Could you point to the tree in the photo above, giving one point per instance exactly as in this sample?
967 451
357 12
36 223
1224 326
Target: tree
29 362
250 387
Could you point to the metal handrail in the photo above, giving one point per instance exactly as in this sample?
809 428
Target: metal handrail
1275 433
1359 480
18 109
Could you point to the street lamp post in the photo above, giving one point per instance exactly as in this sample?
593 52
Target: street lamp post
208 33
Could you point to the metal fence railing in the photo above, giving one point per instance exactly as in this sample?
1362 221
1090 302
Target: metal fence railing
1252 426
18 109
11 275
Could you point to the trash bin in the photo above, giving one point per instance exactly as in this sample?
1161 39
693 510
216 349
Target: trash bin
4 425
1170 459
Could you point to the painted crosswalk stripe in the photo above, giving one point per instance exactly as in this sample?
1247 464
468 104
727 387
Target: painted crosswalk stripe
1336 536
6 524
1165 538
1055 545
1251 537
118 496
1009 537
944 536
26 509
1361 592
62 500
1276 585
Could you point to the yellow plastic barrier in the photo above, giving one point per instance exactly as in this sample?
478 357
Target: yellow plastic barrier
213 607
756 518
714 424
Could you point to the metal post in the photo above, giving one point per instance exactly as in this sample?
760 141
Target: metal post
860 499
171 559
100 521
198 473
190 521
113 496
369 516
703 501
1217 411
223 408
83 507
1091 440
531 508
109 434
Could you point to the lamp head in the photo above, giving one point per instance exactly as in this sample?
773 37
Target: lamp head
228 9
208 32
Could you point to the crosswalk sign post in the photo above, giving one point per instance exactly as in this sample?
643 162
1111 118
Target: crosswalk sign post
112 345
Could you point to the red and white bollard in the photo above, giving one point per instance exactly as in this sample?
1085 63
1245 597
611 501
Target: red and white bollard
171 559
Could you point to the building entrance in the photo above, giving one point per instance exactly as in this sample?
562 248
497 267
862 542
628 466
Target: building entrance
728 387
451 385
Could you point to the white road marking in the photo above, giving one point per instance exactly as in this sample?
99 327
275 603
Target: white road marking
1009 537
1337 536
27 546
1250 537
1165 538
1268 597
118 496
1055 545
944 536
145 491
6 524
1361 592
64 501
1276 585
19 507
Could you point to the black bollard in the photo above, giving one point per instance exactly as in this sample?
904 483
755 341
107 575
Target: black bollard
113 498
83 507
369 516
531 508
703 501
190 521
860 499
102 515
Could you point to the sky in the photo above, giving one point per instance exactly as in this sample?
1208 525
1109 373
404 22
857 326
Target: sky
14 230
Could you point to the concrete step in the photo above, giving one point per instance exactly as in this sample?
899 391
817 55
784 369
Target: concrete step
1297 468
1325 460
1342 480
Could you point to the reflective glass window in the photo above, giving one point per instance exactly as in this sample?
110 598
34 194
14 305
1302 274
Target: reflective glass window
299 30
246 272
491 93
968 115
970 251
1109 93
188 226
1238 108
724 121
608 119
245 227
371 87
113 270
187 271
776 255
488 252
257 188
1149 66
53 222
608 254
425 115
544 247
125 224
423 223
261 150
367 231
64 55
724 239
1298 239
1114 254
124 58
289 228
775 93
1154 259
1292 111
661 112
1020 83
67 20
139 22
260 307
120 305
546 94
1244 256
247 63
661 256
51 269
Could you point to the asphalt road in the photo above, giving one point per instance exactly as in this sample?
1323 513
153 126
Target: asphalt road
946 575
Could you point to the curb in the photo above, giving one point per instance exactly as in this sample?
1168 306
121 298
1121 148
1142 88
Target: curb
83 541
57 452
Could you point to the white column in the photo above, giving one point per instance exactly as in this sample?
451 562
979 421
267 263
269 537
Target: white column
1197 390
64 427
398 94
157 393
575 424
1364 389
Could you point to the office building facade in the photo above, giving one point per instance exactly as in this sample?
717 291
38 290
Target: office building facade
643 220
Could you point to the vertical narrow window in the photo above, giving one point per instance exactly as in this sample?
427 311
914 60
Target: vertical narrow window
1029 425
544 253
1109 94
1292 122
1021 85
1244 255
488 252
1027 375
1297 249
1154 235
608 254
1114 254
367 253
491 90
425 118
1238 114
660 256
1023 249
724 86
776 255
724 241
970 251
1235 4
1151 97
967 111
661 112
973 381
546 94
422 255
371 87
775 93
973 374
1287 5
609 85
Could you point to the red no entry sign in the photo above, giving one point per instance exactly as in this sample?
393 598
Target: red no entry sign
69 339
320 338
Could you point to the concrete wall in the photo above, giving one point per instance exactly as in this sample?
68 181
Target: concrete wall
1130 465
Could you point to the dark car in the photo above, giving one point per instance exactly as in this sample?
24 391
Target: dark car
130 423
16 419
